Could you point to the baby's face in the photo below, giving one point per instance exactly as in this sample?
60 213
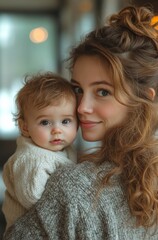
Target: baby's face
53 127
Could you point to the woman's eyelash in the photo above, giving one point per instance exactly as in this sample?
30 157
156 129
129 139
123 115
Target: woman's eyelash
103 92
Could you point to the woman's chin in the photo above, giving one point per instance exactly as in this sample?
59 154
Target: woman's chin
90 138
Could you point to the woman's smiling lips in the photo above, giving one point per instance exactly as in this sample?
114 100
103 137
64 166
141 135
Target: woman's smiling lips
88 124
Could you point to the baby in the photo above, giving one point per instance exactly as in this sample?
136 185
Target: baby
48 123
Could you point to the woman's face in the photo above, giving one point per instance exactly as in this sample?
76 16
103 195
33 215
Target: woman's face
98 110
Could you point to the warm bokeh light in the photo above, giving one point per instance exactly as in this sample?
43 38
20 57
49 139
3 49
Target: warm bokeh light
85 6
38 35
154 20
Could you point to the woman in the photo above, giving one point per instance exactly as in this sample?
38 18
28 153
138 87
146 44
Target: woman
112 194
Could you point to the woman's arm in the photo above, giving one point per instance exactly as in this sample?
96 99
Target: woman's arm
67 210
50 217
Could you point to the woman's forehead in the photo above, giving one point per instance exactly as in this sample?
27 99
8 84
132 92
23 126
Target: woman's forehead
91 69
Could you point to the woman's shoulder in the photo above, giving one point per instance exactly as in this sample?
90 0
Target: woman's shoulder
82 173
82 180
75 193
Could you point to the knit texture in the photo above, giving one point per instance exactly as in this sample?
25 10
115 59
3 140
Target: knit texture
71 209
26 173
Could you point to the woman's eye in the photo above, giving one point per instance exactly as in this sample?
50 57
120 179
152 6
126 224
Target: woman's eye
66 121
77 90
103 92
45 123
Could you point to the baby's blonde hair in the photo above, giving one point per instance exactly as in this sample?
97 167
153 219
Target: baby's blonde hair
42 90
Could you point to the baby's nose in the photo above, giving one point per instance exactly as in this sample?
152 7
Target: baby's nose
56 130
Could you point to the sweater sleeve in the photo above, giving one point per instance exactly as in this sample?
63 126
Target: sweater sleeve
30 176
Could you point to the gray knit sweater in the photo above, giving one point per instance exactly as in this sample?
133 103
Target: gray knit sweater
71 209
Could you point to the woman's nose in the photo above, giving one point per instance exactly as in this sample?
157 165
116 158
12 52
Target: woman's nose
85 105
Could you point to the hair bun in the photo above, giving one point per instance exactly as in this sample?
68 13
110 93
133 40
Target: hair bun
137 20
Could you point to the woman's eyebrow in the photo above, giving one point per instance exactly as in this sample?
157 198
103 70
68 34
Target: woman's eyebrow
101 83
94 83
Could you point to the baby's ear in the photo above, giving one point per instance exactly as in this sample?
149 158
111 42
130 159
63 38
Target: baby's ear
152 93
23 128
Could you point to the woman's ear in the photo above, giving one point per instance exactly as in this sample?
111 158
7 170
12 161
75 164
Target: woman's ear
152 93
23 128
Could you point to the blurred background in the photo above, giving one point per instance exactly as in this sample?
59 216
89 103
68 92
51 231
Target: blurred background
37 35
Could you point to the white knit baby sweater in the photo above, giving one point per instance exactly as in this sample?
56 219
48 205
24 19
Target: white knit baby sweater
26 173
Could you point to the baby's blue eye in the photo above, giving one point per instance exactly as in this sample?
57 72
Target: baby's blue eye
103 92
77 90
45 123
66 121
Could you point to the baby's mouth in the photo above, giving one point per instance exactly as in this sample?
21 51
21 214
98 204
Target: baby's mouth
56 141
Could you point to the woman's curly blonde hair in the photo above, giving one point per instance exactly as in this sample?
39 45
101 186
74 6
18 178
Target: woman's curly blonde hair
129 45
